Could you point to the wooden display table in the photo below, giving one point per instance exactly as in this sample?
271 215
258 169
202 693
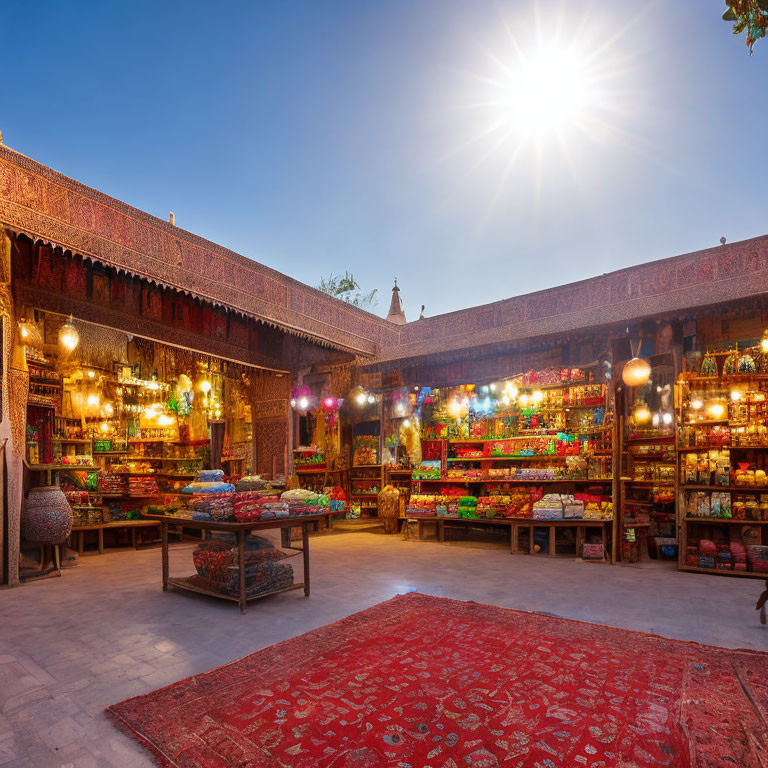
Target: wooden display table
515 524
132 525
241 530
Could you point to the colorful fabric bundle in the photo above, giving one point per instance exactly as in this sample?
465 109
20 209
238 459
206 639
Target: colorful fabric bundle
251 483
707 547
259 578
757 555
273 510
738 555
247 506
218 505
210 476
212 559
197 487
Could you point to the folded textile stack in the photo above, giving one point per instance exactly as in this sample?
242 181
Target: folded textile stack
267 577
549 507
212 559
273 510
210 476
142 486
201 487
757 555
247 506
216 562
219 506
251 483
738 556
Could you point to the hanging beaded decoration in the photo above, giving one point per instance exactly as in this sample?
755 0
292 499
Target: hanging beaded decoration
709 365
746 364
731 365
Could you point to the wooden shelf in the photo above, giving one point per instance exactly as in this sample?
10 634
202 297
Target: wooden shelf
727 447
727 520
46 467
724 572
729 488
542 457
518 481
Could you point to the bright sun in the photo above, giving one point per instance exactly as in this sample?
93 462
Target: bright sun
553 84
548 92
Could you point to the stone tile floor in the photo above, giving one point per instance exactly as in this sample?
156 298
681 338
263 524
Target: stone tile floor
105 631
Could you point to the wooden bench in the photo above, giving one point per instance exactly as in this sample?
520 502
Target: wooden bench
131 525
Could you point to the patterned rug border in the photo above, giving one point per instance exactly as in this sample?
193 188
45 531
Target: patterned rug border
406 600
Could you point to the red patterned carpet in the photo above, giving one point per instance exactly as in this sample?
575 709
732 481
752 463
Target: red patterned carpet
425 682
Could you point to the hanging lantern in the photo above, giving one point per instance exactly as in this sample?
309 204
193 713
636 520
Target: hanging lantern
69 337
29 334
641 413
636 372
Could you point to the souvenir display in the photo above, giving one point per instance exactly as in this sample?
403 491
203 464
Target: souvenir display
723 465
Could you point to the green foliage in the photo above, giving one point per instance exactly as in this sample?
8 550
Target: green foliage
348 289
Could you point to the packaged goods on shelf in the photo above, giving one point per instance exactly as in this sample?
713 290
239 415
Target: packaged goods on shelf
142 486
549 507
428 470
111 483
468 506
757 557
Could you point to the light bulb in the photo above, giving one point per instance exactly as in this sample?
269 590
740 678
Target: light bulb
655 420
636 372
406 423
69 338
523 400
205 386
371 399
104 427
537 396
91 374
108 409
361 398
303 403
92 401
667 418
641 413
697 403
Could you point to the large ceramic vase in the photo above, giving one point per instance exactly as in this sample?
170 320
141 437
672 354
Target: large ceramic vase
47 516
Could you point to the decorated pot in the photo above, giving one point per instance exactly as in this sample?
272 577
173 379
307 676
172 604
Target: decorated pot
47 516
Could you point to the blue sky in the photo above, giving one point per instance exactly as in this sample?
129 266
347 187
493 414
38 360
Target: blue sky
323 136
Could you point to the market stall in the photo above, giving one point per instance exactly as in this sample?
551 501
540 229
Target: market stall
536 447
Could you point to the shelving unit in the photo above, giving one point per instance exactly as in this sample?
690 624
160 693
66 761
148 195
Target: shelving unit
648 493
366 480
560 441
722 471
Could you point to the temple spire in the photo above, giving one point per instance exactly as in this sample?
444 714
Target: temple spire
396 314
